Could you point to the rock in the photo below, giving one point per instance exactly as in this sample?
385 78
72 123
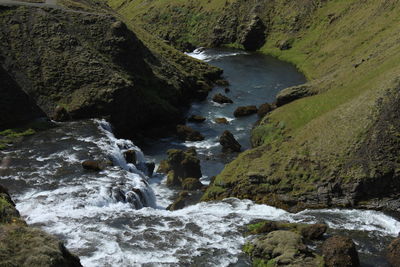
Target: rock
130 156
191 184
245 111
282 248
61 114
293 93
227 90
188 134
314 231
340 251
285 44
92 165
196 118
222 82
150 168
253 36
229 143
180 202
221 99
182 165
221 121
393 253
264 109
163 167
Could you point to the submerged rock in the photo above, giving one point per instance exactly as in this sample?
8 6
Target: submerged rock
229 143
393 253
196 118
221 120
340 251
93 165
245 111
188 134
221 99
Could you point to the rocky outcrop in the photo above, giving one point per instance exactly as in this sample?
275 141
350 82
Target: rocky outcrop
93 65
188 134
21 245
340 251
229 143
293 93
393 252
245 111
264 109
222 99
181 165
253 36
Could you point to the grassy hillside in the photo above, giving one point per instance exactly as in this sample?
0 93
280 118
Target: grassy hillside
338 147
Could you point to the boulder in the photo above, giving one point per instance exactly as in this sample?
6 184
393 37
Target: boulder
285 44
191 184
180 202
283 248
163 167
293 93
245 111
229 143
253 36
227 90
314 231
130 156
222 82
221 120
181 165
188 134
221 99
150 168
264 109
92 165
196 118
61 114
340 251
393 252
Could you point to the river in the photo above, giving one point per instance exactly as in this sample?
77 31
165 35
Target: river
84 209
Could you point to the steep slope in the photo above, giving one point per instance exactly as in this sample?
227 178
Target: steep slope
94 65
338 147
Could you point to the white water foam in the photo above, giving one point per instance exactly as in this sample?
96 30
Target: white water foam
205 55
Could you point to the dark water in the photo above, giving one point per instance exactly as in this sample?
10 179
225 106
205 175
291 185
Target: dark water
53 192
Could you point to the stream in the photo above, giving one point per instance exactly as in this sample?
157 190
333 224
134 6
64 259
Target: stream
117 217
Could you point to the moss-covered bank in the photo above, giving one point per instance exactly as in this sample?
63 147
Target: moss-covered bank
338 147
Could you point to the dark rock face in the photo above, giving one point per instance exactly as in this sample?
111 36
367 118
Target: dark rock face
130 156
293 93
340 251
188 134
253 37
393 252
229 143
264 109
92 165
61 114
191 184
245 111
150 168
196 118
181 165
221 99
21 245
180 202
109 72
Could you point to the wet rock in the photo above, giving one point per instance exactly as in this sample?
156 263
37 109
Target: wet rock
282 248
163 167
61 114
188 134
393 253
229 143
93 165
245 111
196 118
179 203
222 82
253 36
221 121
264 109
191 184
150 168
182 165
221 99
340 251
130 156
293 93
227 90
314 231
